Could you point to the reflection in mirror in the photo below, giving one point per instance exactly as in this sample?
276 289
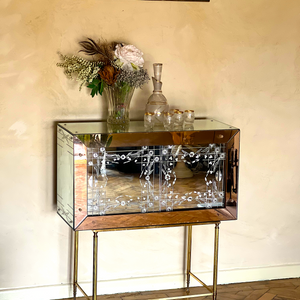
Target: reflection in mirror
232 175
149 179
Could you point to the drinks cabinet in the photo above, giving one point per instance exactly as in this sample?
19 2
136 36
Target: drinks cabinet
111 178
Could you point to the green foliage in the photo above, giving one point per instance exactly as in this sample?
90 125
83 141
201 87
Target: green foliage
85 138
95 140
109 141
97 86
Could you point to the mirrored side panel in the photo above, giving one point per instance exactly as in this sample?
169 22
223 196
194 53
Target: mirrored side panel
80 180
232 173
155 178
65 171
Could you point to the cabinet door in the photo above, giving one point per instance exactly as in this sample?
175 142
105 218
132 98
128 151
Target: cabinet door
144 179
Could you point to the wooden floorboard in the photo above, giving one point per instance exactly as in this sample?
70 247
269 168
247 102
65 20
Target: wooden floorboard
283 289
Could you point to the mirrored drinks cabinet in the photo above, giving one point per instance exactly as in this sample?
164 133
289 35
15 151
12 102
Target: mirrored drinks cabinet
112 178
136 178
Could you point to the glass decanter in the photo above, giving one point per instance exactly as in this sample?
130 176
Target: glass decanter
157 102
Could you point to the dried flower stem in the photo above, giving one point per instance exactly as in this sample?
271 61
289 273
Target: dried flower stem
85 70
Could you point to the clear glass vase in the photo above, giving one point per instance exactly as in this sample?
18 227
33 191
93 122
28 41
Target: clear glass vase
118 98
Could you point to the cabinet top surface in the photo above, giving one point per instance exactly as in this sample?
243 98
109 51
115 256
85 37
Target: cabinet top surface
138 126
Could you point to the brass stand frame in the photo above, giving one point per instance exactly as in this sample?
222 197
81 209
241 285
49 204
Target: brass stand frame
212 291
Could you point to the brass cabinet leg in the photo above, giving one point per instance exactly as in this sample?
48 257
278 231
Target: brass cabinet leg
95 262
75 264
216 250
189 254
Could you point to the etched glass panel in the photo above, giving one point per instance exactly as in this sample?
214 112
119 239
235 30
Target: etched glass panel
155 178
65 175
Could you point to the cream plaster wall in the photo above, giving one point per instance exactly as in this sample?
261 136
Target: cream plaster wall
234 60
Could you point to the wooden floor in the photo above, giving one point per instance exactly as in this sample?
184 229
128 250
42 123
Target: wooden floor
284 289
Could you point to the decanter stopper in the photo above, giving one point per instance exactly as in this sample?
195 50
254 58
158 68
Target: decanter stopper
157 102
157 71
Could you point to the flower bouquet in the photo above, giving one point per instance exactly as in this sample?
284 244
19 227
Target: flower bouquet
114 73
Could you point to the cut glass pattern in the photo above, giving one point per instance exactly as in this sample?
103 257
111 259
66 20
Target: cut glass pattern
144 179
64 174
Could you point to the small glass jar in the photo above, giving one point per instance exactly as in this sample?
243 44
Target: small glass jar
178 118
149 120
168 121
172 111
189 116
